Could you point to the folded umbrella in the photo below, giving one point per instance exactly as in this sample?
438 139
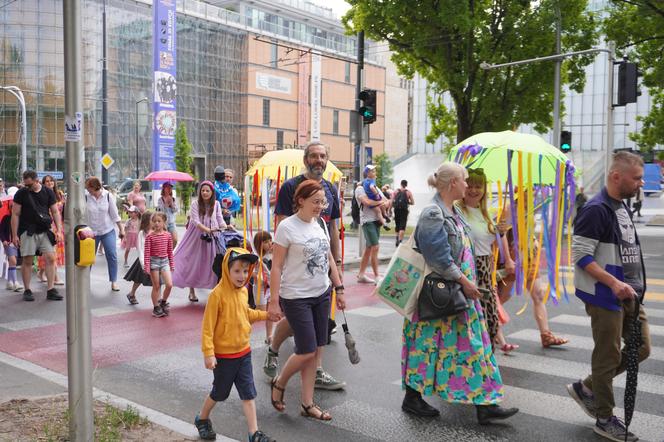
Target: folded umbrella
353 355
632 354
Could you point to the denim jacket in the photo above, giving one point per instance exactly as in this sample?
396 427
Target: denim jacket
439 239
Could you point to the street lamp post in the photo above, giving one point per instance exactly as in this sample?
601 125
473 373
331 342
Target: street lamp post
139 101
16 92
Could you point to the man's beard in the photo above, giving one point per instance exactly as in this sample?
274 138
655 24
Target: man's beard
315 171
625 194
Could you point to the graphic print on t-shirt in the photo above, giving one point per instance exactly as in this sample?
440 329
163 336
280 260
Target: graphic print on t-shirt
315 256
629 251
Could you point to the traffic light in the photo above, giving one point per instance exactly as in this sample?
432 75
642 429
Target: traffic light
368 108
565 141
628 75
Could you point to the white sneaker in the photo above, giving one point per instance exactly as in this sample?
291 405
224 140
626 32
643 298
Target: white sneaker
18 287
364 279
10 285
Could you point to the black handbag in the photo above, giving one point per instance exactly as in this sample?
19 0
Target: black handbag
440 298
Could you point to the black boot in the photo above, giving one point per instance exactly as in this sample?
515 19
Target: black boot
414 404
486 413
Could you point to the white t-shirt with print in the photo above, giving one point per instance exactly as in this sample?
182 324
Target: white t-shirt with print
304 274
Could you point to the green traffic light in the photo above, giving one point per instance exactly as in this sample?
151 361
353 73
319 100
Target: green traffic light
565 147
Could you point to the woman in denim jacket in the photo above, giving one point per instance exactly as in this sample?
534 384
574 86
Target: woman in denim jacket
450 356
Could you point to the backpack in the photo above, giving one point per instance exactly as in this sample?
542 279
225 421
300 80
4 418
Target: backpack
401 200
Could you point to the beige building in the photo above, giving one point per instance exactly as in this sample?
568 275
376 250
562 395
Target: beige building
398 110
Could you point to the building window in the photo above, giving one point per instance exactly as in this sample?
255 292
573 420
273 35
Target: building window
335 122
266 112
347 72
280 139
274 55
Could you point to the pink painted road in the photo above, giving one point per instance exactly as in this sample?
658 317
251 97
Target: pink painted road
125 337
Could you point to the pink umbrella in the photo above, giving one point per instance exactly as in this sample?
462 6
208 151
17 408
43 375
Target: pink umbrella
168 175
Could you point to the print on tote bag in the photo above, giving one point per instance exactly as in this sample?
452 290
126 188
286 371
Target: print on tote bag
400 282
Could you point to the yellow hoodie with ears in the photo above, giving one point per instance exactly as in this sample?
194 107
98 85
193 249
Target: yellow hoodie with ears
228 318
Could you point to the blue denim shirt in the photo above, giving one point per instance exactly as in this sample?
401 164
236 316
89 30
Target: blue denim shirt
439 239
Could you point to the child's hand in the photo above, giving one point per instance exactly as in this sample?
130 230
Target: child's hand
210 362
274 317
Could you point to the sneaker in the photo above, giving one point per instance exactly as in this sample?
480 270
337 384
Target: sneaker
164 307
18 287
364 279
271 364
585 401
614 429
157 312
204 427
28 296
10 285
259 436
325 381
132 299
53 295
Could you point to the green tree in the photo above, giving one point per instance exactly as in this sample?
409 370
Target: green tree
384 169
445 41
183 163
637 27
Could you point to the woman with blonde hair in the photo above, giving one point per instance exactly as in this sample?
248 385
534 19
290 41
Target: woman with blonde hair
483 233
450 356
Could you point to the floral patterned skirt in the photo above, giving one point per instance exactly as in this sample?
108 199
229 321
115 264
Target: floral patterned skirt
453 358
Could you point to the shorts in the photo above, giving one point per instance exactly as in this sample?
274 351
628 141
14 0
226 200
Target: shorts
307 318
371 232
159 263
11 250
31 244
170 227
400 219
236 371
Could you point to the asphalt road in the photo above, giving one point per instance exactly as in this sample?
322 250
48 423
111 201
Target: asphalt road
157 363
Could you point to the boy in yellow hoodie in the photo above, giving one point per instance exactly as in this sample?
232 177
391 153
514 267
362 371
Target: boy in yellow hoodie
225 342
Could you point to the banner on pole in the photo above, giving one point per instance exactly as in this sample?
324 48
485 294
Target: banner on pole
164 86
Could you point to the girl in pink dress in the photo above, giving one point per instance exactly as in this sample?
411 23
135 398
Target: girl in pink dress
195 252
130 240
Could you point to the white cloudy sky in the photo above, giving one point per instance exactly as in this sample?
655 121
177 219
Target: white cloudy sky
338 6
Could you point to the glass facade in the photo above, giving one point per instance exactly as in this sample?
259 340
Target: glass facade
211 71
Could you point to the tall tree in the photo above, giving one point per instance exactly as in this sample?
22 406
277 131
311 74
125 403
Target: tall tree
384 169
183 163
637 26
445 41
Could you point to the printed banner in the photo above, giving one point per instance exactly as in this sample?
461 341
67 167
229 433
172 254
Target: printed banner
315 96
165 85
303 102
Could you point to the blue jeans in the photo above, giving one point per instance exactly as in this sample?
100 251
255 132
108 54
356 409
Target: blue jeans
109 242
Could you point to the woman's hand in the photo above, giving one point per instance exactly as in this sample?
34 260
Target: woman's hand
210 362
470 290
341 302
503 227
510 266
273 310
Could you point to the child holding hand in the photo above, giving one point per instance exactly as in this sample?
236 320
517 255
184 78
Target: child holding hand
226 348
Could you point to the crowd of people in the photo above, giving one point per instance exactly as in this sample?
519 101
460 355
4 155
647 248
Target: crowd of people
291 279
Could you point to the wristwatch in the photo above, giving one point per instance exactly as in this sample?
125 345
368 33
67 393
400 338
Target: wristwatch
339 287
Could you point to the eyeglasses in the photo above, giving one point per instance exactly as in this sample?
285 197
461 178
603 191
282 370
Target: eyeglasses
321 203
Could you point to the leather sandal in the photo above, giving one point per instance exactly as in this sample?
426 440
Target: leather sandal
321 416
549 339
192 297
507 348
278 404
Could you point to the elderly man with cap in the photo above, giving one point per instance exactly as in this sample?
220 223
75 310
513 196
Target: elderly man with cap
370 220
225 193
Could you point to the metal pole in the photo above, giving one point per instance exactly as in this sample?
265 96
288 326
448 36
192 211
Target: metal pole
16 92
137 139
556 82
609 108
360 124
79 346
104 96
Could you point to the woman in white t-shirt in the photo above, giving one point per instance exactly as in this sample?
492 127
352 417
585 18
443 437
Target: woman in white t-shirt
483 234
300 284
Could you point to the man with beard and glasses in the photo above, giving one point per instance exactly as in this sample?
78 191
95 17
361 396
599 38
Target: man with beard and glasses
34 211
610 278
315 159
